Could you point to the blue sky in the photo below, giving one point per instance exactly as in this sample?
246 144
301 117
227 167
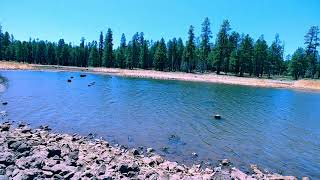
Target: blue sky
73 19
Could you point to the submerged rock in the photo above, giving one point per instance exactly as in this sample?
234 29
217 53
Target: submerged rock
83 75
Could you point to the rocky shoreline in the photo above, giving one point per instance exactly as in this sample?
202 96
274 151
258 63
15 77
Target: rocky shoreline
27 153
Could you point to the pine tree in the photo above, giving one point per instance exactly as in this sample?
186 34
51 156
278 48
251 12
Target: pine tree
143 55
298 64
129 55
60 52
107 59
1 44
135 50
234 62
275 59
260 54
190 51
41 52
160 56
94 55
222 60
246 55
312 40
205 44
121 53
101 47
51 53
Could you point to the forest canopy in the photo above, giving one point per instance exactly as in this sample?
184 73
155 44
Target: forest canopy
231 52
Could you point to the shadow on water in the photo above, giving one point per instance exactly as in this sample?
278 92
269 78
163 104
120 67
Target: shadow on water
277 129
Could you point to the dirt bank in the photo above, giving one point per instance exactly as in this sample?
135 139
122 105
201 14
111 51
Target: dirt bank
208 77
38 153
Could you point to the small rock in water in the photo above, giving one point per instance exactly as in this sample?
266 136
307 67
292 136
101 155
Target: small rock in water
135 152
71 77
83 75
3 113
69 80
4 103
150 150
194 154
45 127
225 162
217 116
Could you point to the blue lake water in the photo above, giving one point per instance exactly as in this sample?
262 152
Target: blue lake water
278 129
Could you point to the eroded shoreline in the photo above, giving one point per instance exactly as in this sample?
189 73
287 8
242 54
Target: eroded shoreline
313 85
27 153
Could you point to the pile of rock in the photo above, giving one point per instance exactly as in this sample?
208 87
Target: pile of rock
38 153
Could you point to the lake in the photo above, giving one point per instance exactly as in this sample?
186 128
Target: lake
278 129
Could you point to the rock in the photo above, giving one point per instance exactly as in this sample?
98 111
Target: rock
135 152
74 155
305 178
150 150
3 113
7 158
4 177
54 151
83 75
69 80
225 162
217 116
25 130
4 127
4 103
71 77
102 169
21 125
45 127
20 146
194 154
125 168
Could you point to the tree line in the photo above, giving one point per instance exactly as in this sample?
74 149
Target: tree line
234 53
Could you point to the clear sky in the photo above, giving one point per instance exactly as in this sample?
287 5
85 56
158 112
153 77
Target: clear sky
73 19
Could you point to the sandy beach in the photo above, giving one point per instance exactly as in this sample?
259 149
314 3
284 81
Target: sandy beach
181 76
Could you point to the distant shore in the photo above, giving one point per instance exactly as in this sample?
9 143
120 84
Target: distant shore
140 73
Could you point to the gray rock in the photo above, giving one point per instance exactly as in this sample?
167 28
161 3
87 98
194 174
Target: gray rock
135 152
150 150
225 162
4 177
54 151
7 158
102 169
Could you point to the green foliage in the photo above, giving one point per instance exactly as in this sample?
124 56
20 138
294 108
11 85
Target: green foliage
221 49
143 55
189 54
246 55
260 55
94 55
160 56
298 64
205 44
121 53
107 57
229 53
